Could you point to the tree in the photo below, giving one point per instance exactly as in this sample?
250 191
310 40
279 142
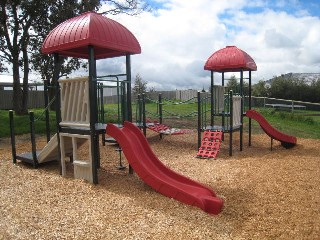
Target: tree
25 23
260 89
140 85
232 84
44 64
16 18
3 68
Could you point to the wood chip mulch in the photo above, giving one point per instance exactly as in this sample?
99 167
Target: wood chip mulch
268 194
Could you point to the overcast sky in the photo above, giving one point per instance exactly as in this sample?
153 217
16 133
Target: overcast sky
179 35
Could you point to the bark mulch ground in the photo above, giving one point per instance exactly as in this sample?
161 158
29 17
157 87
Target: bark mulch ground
268 195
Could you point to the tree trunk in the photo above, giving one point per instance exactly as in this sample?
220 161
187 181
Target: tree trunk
25 92
17 99
54 82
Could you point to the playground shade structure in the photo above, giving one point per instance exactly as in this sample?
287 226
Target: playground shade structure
153 172
287 141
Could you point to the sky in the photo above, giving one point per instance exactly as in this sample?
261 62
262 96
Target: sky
178 36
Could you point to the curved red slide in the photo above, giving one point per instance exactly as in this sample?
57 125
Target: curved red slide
287 141
154 173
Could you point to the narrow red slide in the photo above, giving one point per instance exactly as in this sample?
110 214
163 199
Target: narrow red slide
154 173
287 141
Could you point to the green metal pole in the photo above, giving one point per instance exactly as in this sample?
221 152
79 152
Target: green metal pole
212 99
58 107
46 103
231 122
160 111
144 114
241 109
160 108
93 114
33 140
13 138
128 71
250 106
199 119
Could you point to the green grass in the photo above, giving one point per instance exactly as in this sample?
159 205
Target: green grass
22 123
297 124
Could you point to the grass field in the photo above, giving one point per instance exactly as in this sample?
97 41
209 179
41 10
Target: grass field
304 124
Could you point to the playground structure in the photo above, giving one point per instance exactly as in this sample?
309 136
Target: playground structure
77 111
80 110
78 118
160 114
226 109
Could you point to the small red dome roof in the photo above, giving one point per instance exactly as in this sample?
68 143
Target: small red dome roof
109 38
230 59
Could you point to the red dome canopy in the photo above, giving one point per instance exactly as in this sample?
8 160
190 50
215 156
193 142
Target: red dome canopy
230 59
109 38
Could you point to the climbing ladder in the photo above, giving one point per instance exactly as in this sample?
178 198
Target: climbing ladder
210 144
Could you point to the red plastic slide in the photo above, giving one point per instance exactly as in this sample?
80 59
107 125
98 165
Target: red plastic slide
153 172
287 141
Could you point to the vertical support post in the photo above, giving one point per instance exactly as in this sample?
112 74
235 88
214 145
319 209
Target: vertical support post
160 108
46 103
93 114
230 122
58 107
160 111
212 100
222 83
223 112
199 118
124 110
128 70
250 106
13 138
33 140
102 120
139 111
144 114
241 109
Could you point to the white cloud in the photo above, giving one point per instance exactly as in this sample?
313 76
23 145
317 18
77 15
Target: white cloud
177 40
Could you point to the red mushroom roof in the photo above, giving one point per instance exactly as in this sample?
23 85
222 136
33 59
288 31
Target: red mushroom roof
109 38
230 59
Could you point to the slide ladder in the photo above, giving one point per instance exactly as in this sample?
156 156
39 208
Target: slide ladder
210 144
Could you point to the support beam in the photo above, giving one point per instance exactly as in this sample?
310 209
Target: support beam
128 72
57 103
212 100
250 106
242 109
93 114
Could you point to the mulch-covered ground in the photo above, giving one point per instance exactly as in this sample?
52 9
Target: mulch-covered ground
268 195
